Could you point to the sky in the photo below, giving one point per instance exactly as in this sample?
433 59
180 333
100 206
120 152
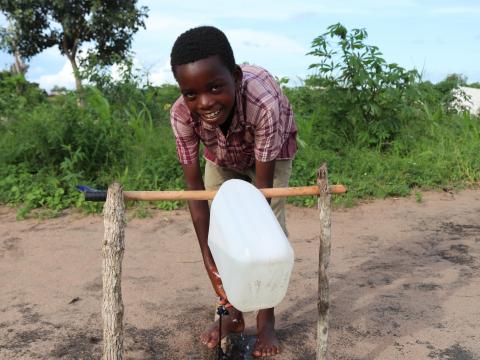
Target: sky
436 37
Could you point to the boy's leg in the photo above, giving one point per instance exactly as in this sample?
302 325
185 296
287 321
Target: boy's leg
281 177
267 343
283 171
216 175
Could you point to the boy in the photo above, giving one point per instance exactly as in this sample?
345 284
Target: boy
247 126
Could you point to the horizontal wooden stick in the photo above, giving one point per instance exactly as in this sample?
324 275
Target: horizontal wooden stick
209 194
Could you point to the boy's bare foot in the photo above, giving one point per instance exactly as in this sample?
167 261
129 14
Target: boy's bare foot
231 323
267 342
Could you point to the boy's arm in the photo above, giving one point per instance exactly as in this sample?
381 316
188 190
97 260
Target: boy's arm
264 172
200 214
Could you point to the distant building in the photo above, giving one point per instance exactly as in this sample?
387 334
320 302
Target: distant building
469 98
58 92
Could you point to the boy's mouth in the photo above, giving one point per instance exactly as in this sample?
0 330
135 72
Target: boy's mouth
211 116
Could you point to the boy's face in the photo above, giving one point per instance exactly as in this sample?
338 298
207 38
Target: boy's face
208 88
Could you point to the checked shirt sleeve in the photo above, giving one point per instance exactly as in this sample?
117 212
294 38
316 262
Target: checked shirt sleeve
268 139
187 141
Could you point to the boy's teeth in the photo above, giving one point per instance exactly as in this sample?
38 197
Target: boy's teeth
212 114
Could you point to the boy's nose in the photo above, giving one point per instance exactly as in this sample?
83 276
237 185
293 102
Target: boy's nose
205 102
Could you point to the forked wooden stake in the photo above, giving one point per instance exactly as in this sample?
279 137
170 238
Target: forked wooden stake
114 245
112 250
323 304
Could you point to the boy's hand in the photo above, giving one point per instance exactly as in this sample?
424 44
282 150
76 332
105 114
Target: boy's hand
216 281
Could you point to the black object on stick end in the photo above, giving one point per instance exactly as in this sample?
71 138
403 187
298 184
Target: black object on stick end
92 194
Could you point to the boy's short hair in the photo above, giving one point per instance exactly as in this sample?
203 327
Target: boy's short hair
200 43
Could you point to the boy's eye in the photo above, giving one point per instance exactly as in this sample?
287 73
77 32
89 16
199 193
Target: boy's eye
189 96
216 88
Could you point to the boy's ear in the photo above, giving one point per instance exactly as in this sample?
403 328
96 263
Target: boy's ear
238 75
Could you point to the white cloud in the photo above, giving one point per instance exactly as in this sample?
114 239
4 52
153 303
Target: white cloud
63 78
262 41
161 74
157 73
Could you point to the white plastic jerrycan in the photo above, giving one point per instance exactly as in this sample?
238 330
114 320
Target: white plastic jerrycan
252 253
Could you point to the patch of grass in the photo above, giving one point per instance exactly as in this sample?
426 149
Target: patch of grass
418 196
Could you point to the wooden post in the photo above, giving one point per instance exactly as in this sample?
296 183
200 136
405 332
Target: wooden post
324 208
112 250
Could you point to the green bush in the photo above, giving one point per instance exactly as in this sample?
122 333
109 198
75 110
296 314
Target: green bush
17 93
57 145
365 99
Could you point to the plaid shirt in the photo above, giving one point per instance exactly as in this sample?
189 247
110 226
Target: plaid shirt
263 126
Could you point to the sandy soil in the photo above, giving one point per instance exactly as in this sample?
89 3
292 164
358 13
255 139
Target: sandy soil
404 280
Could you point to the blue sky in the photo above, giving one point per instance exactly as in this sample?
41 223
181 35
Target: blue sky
437 37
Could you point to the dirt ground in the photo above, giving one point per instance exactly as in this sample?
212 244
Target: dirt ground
404 281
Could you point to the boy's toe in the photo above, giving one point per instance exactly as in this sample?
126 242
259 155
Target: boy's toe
210 339
265 351
204 339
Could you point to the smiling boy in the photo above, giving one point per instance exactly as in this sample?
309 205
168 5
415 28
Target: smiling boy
247 127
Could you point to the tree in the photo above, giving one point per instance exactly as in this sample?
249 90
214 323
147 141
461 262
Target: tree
368 95
107 27
8 40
